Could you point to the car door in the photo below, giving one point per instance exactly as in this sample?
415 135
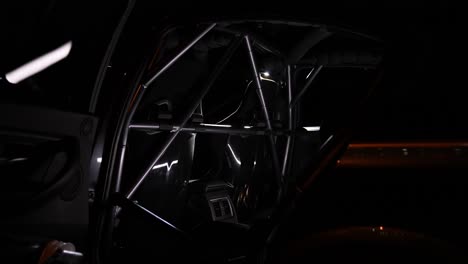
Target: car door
44 164
51 69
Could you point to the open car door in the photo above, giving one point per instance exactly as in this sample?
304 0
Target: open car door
50 74
44 160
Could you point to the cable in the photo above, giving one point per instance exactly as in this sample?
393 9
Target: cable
240 105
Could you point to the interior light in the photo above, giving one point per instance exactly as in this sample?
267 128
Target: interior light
381 228
247 127
39 64
265 74
264 77
312 128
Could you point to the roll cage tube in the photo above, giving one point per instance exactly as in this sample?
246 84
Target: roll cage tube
281 170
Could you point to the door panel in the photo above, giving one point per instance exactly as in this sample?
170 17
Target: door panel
44 162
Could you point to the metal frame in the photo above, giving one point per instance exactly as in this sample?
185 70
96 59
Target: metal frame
139 95
124 202
214 75
208 129
280 171
108 55
259 41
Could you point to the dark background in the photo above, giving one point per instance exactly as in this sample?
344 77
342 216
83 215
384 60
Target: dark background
422 92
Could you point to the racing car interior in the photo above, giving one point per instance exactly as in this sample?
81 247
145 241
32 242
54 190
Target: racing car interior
218 135
228 140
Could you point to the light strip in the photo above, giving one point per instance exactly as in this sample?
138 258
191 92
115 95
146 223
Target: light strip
166 165
234 155
39 64
312 128
215 125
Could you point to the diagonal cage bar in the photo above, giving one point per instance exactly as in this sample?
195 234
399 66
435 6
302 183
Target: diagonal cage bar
306 86
212 78
205 128
188 47
139 95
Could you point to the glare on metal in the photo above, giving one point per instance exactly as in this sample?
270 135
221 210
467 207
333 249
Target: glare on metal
234 155
215 125
166 165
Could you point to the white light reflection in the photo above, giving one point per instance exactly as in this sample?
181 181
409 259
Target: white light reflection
158 217
265 74
166 165
312 128
99 160
234 155
215 125
39 64
247 127
326 142
18 159
308 75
